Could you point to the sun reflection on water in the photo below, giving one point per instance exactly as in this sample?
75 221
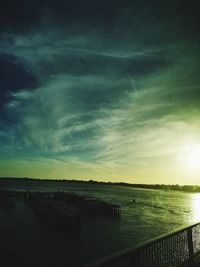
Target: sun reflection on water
196 207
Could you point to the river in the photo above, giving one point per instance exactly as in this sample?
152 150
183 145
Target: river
144 214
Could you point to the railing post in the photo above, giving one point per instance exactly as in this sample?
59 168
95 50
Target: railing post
190 246
135 259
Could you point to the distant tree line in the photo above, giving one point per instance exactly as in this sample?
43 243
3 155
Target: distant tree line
176 187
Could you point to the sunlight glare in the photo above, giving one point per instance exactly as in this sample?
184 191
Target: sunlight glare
190 159
194 157
196 208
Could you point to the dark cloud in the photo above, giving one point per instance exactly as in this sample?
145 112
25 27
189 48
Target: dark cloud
100 15
20 15
13 77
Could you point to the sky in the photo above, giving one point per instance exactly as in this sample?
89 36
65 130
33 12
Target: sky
102 90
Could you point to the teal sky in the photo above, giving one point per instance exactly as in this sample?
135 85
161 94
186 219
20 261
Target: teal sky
103 91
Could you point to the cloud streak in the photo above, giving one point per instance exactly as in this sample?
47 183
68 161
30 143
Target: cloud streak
118 102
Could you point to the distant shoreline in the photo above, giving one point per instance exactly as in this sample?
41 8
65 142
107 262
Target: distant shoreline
174 187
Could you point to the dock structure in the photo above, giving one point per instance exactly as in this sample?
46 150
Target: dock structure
89 204
61 206
109 209
13 194
7 200
180 248
60 209
53 212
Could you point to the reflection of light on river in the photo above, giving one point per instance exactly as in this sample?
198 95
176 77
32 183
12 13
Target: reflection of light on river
196 207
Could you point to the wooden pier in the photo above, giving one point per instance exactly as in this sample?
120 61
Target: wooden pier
89 204
7 200
60 209
53 212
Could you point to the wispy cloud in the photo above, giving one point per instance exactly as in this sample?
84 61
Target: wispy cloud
102 104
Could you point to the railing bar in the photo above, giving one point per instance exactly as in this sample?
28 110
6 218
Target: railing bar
178 249
175 239
166 250
151 251
165 253
181 248
173 251
157 258
146 257
152 255
155 255
158 254
162 253
149 257
169 252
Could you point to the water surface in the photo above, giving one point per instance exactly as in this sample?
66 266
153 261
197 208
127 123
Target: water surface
145 214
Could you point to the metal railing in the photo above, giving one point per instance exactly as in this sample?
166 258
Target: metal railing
171 250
